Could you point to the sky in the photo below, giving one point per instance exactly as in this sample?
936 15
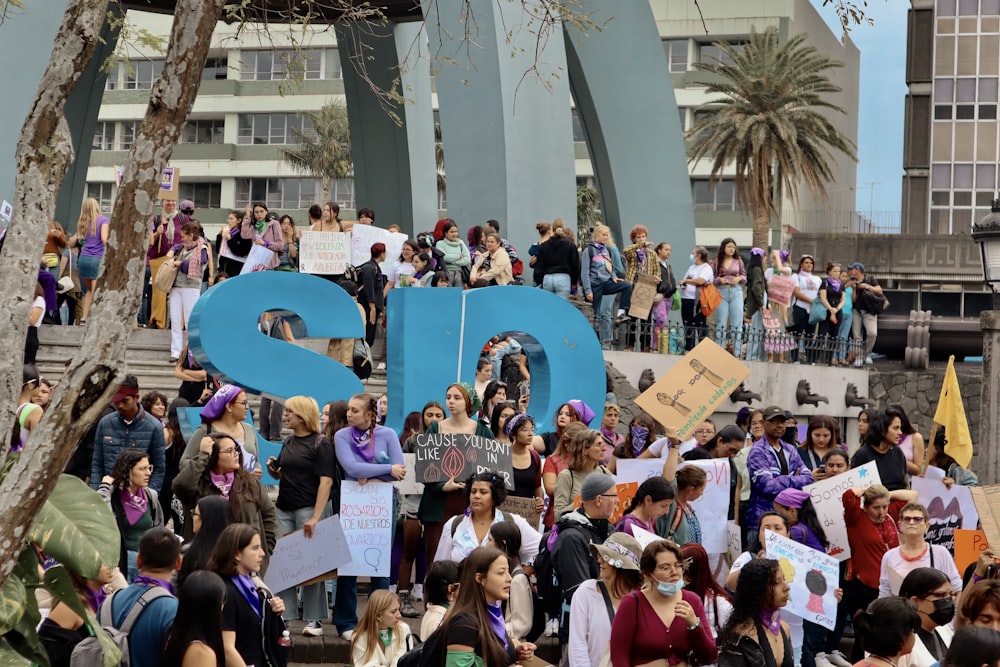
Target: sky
883 91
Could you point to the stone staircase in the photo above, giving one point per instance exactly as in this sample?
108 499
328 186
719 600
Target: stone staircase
147 357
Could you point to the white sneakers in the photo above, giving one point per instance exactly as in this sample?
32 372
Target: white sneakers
417 593
552 627
347 635
313 629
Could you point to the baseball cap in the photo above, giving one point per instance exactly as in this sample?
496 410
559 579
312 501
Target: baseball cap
856 265
773 412
186 206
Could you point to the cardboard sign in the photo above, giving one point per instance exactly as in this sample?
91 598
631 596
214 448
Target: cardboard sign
827 499
170 181
643 295
968 544
444 456
409 484
780 288
693 388
324 253
366 517
948 509
812 577
259 259
734 537
363 237
638 470
297 559
522 507
626 492
644 537
987 500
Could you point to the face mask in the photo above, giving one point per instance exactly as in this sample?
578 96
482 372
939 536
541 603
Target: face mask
691 258
944 611
670 590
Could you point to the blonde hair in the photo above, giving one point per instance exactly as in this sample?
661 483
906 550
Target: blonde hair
598 228
306 408
378 603
873 493
89 213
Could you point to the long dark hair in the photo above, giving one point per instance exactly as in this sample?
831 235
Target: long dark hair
177 443
896 410
885 625
645 421
878 426
216 514
973 646
234 539
122 469
495 415
657 488
921 582
245 487
336 420
808 518
721 255
507 537
753 590
199 619
472 601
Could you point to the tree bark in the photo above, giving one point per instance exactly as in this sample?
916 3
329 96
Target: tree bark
44 153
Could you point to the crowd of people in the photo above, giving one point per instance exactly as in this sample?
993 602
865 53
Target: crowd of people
488 582
754 305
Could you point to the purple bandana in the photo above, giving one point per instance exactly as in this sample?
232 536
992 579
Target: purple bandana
153 581
771 619
639 437
222 482
834 284
496 622
245 586
95 598
216 405
135 505
363 444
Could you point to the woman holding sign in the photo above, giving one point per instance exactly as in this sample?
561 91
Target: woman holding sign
443 500
368 453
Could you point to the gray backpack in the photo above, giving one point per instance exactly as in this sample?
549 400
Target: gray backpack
89 653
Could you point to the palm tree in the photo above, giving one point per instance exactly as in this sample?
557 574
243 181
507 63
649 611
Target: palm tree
325 149
769 123
588 213
442 184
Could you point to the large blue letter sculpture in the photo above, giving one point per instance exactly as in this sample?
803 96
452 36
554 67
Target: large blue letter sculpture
435 337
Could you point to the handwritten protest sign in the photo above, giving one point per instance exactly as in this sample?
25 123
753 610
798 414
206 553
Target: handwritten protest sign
363 237
522 507
827 500
812 577
734 537
968 544
324 252
638 470
409 484
366 517
297 559
259 259
780 288
948 509
693 389
444 456
987 499
643 296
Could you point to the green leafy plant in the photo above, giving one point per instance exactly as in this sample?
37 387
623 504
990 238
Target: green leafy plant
325 149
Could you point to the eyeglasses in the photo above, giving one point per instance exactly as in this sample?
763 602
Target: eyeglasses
911 519
670 567
144 468
228 450
610 495
243 403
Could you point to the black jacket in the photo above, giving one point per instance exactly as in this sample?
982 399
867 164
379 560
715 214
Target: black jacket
571 557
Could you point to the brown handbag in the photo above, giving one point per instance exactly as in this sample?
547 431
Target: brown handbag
165 276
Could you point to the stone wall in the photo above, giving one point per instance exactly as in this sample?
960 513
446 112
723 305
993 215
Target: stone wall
918 391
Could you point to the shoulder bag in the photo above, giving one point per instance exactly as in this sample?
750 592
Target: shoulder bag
165 276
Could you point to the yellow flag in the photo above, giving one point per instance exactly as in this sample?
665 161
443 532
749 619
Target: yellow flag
950 413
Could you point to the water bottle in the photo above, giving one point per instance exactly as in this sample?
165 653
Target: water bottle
285 640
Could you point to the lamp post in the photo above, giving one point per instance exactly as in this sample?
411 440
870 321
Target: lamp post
986 233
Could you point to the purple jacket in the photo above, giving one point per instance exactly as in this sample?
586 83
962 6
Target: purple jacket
766 480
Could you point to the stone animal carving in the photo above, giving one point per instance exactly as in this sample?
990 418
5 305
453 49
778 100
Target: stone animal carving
851 398
743 395
804 395
646 379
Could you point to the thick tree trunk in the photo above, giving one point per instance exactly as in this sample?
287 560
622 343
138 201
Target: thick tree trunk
43 156
762 206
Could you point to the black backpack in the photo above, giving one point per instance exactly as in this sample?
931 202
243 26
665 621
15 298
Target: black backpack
424 654
549 592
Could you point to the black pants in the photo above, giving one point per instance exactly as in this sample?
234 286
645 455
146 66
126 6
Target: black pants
802 331
695 324
370 328
31 345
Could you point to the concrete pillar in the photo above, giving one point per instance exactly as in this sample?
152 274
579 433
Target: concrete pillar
508 139
988 443
393 171
625 97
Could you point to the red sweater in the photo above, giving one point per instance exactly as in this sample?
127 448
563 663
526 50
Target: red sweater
869 541
638 635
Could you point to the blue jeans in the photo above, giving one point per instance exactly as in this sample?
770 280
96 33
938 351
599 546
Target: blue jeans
602 307
497 355
843 335
557 283
314 605
729 317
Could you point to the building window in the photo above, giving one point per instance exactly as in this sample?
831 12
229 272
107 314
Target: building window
677 54
140 74
204 195
104 137
114 77
203 132
578 133
291 193
104 194
271 128
281 64
126 134
334 70
215 69
711 54
715 196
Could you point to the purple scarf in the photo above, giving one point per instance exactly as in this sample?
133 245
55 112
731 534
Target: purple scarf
135 505
641 255
153 581
833 284
363 444
639 437
244 584
222 482
771 619
496 622
95 598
